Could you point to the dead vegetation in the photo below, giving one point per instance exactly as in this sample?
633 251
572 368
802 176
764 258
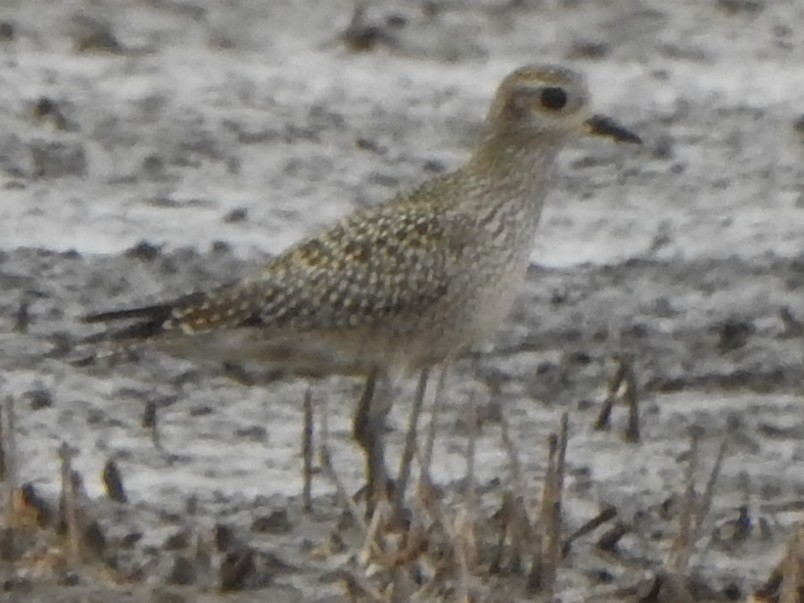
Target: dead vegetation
507 545
463 542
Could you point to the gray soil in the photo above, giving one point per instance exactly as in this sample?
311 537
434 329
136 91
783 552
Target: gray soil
148 149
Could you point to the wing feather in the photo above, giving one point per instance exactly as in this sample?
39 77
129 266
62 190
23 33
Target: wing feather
387 263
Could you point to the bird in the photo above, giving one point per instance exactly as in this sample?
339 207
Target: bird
400 286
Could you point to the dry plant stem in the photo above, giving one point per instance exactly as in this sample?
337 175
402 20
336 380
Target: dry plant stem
552 548
622 385
793 567
329 470
536 574
429 590
705 504
70 504
680 550
604 418
113 482
471 447
326 464
519 527
513 459
22 319
674 583
632 400
696 508
10 473
410 445
360 589
608 541
372 535
429 519
307 453
462 589
465 542
495 567
598 520
508 532
150 421
3 463
10 449
430 506
427 459
403 586
414 543
466 534
563 438
788 575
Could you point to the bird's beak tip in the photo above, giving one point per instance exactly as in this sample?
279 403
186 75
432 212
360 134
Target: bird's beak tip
600 125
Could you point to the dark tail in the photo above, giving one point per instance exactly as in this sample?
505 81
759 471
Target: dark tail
150 312
149 322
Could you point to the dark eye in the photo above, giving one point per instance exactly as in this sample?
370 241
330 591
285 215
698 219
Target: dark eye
553 99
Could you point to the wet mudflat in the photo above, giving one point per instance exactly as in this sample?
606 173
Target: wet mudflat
219 135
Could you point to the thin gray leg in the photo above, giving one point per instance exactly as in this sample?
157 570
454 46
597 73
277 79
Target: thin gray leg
367 429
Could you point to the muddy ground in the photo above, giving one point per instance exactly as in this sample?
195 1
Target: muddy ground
155 147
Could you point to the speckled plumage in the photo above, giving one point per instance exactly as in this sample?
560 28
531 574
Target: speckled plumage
407 283
402 285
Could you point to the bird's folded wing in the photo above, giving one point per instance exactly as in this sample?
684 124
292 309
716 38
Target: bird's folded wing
372 267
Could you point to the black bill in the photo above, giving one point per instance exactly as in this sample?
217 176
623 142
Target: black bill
600 125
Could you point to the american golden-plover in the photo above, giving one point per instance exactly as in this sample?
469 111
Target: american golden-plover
402 285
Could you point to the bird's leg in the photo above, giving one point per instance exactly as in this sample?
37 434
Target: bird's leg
367 430
410 445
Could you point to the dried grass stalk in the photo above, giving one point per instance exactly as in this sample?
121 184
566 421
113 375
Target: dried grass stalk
427 458
326 464
68 493
793 568
307 453
7 425
680 550
410 445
